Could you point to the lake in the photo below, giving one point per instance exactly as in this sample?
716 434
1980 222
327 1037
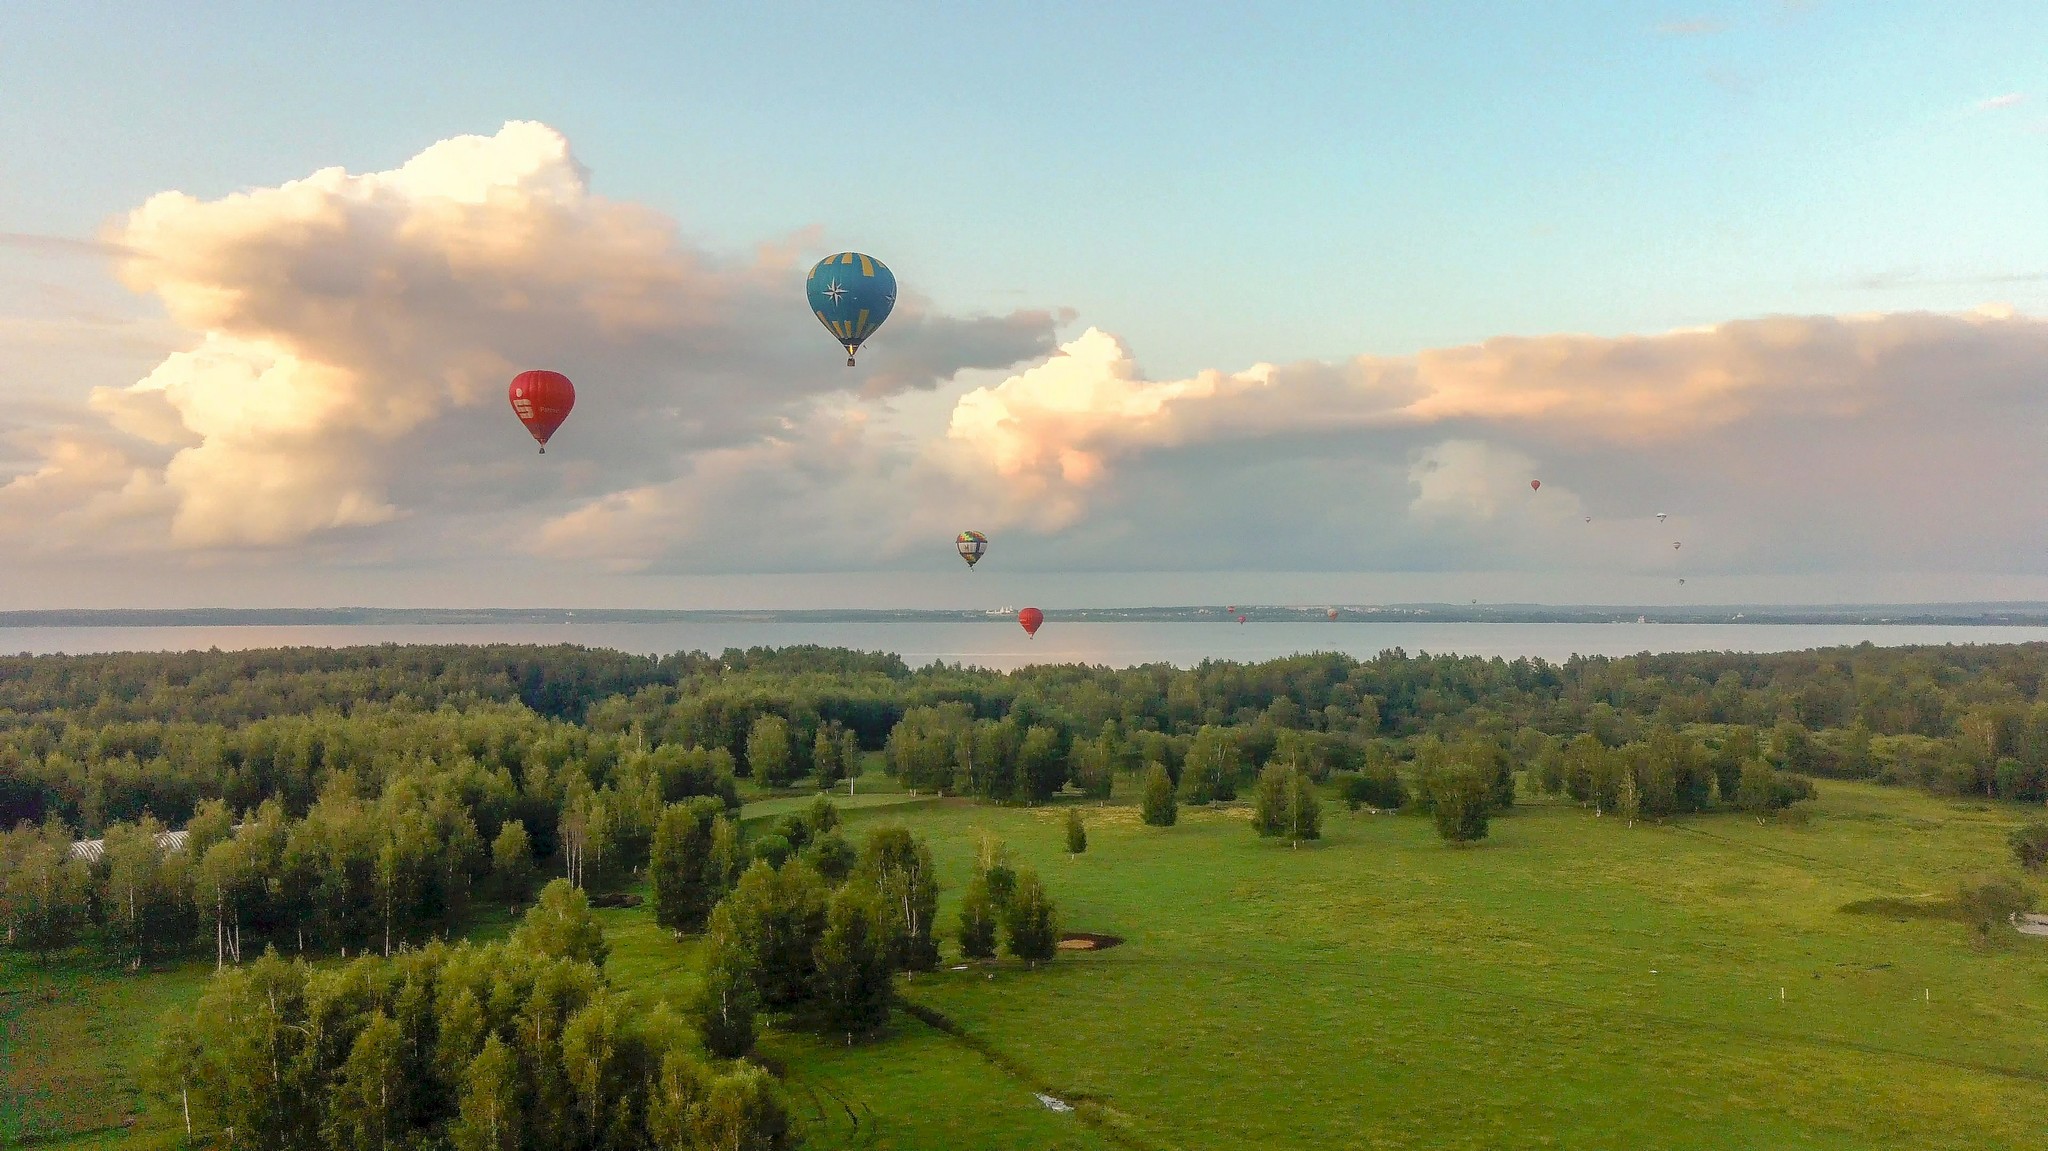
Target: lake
1000 643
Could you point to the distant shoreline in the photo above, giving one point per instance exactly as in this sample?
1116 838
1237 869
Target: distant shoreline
1957 614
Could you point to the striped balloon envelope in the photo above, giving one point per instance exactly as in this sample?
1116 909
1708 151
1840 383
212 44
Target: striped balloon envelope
851 294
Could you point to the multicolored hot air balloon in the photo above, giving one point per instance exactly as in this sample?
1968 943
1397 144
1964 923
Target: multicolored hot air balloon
1535 485
1332 613
851 294
971 546
1030 619
542 401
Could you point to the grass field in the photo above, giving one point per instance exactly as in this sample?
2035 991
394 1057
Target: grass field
1570 982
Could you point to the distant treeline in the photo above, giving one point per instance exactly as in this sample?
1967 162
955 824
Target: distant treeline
380 790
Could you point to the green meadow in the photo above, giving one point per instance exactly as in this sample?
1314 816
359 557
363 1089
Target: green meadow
1569 982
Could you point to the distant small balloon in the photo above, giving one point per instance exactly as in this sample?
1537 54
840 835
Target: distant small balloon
1240 619
1535 485
1030 618
972 546
1675 546
1333 613
1660 517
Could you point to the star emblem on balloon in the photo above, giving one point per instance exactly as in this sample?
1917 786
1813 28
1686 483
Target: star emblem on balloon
834 291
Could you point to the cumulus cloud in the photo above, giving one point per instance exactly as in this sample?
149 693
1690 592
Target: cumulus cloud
1796 439
336 399
2009 100
350 336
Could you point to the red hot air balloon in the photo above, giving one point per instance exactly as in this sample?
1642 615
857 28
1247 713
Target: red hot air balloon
1240 619
1333 613
1535 485
542 401
1030 618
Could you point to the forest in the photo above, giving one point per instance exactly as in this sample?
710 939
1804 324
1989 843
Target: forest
270 809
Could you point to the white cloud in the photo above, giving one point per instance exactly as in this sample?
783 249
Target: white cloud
2009 100
337 404
350 336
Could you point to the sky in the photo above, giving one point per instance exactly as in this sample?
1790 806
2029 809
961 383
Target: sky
1200 303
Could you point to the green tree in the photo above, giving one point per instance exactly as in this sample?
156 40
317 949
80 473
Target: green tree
144 897
1304 808
1269 800
978 919
512 867
769 756
1030 924
742 1111
225 883
680 867
774 917
559 925
1758 790
853 970
43 890
2030 845
1041 764
1285 803
899 866
1161 808
772 849
489 1117
175 1066
726 1001
1628 802
369 1104
825 762
1988 905
822 815
833 857
1459 800
1077 832
1210 773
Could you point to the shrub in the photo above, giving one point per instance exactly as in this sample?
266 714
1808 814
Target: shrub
1458 798
1161 809
2030 845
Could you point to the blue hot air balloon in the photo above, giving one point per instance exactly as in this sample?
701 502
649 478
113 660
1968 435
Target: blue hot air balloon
851 294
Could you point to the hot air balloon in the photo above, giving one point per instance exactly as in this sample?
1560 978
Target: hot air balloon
1675 546
542 401
1240 619
1332 613
1589 519
1030 619
851 294
1660 517
971 546
1681 579
1535 485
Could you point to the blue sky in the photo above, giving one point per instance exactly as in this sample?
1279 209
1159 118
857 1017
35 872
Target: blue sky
1222 183
1216 186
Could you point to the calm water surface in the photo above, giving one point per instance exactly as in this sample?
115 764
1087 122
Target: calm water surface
1000 643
